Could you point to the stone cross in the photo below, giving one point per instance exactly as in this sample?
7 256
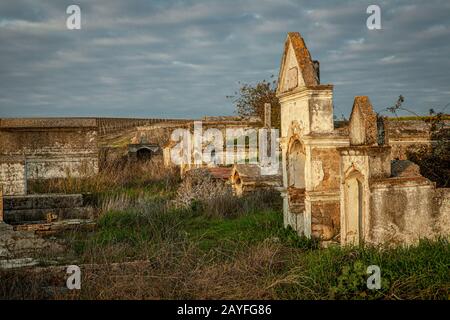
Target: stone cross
267 115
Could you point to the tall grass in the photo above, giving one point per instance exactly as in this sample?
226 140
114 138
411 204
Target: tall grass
220 247
115 176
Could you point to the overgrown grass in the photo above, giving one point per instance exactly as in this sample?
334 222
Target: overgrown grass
416 118
188 254
416 272
223 248
120 177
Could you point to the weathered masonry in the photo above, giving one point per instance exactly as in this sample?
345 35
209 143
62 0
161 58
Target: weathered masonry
37 208
384 201
340 184
46 148
309 143
13 175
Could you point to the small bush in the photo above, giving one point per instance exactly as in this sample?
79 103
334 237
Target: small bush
200 186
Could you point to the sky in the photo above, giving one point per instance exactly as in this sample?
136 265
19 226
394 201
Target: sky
181 59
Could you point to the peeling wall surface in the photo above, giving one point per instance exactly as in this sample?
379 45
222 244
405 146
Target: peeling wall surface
325 173
325 220
442 209
52 148
404 210
384 201
339 184
12 176
309 145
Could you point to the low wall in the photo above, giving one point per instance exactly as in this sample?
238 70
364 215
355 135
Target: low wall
52 148
442 207
406 135
62 166
113 125
404 210
33 208
13 176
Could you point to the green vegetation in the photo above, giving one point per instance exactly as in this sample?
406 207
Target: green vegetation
416 118
254 250
222 248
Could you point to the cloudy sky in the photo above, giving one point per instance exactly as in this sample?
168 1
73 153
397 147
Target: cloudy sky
182 58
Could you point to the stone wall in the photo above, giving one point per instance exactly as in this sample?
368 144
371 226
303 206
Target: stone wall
112 125
404 210
52 148
405 135
33 208
442 208
325 220
12 175
325 173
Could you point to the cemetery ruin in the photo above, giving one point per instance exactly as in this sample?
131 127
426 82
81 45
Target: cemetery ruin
342 184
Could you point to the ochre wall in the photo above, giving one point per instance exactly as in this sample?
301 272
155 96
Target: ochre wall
12 176
51 149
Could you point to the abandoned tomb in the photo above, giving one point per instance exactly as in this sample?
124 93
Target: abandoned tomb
343 184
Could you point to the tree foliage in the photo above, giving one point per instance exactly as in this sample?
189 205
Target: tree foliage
249 100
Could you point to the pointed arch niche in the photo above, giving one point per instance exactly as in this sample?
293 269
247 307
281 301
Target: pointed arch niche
296 159
354 207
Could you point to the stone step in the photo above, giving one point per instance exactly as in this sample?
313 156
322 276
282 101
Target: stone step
57 226
43 201
29 215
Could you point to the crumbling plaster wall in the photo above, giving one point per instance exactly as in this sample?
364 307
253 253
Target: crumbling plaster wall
52 152
307 117
323 185
319 216
325 169
353 162
442 207
402 210
321 107
13 176
310 110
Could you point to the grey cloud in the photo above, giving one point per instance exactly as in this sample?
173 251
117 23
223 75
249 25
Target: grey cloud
181 58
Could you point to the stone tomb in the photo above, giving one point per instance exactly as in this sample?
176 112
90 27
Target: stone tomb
309 143
339 184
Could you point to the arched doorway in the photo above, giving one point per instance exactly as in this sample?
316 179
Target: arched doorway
353 219
296 166
144 154
238 188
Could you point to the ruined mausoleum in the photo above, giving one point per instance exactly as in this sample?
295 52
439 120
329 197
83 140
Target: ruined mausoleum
342 185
